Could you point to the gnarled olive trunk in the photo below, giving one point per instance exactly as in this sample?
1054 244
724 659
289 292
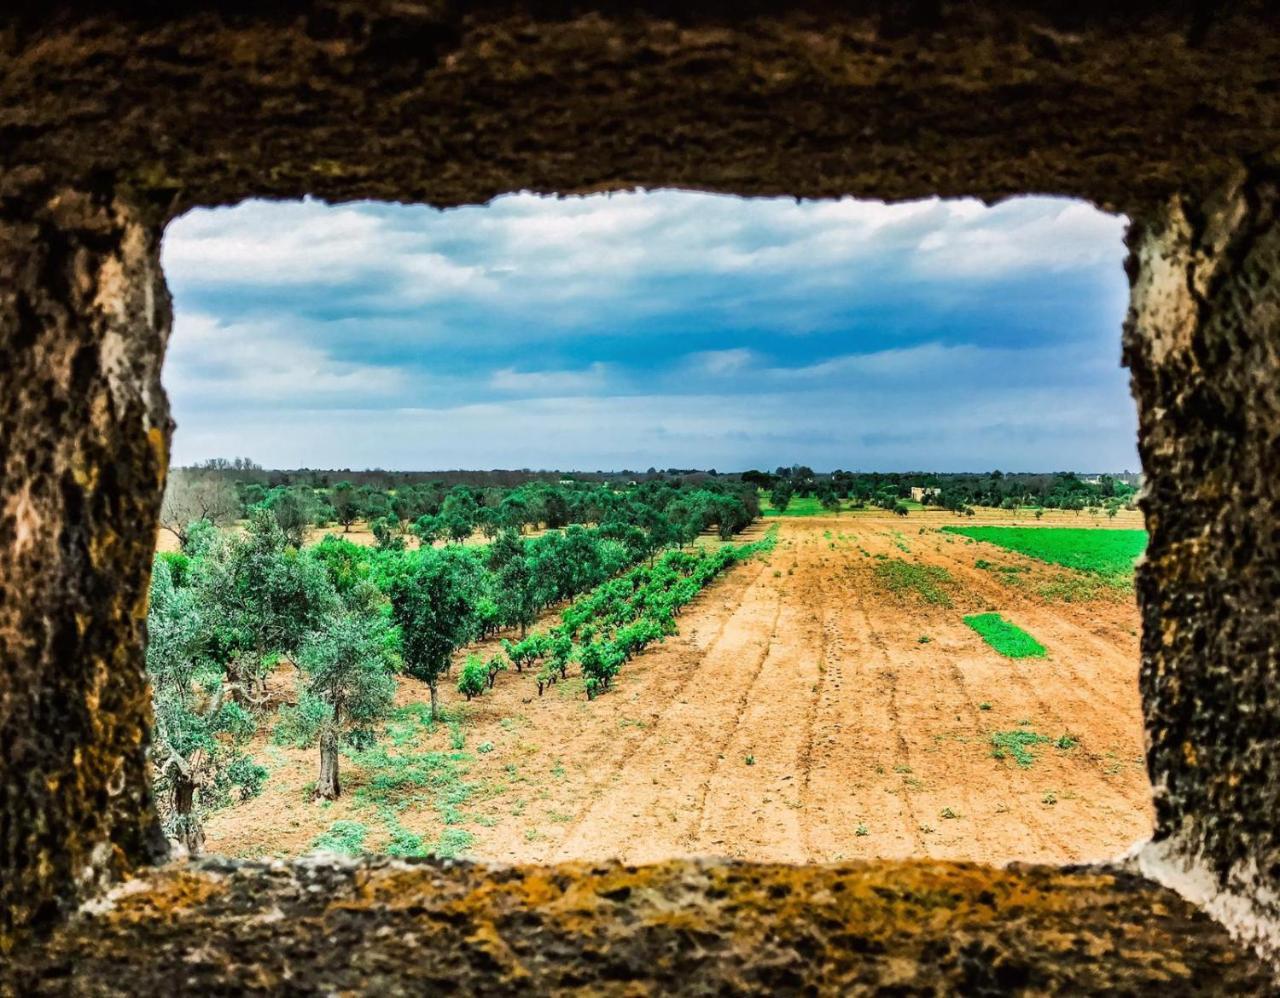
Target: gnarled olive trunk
328 786
188 830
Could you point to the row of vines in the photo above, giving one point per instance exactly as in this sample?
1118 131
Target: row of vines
615 622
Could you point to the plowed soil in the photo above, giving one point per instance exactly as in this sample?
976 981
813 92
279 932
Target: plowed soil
800 716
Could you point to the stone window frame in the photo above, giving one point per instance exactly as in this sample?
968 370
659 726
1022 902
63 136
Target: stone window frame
117 116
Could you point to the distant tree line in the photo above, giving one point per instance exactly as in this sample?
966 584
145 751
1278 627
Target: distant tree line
959 492
431 511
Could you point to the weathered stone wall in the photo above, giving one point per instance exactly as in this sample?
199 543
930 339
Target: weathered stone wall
1203 343
84 432
379 927
116 115
451 103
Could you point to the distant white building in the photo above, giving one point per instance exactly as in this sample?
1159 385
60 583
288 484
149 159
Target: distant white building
918 493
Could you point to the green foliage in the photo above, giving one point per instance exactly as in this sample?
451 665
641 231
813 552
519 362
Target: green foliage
1006 638
432 605
1017 743
294 511
929 582
1108 553
799 506
474 677
260 598
397 778
299 725
453 842
178 564
386 533
346 837
199 726
345 667
233 606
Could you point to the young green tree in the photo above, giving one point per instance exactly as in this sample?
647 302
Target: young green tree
517 591
295 512
781 495
433 608
346 506
386 533
458 514
473 678
428 529
346 689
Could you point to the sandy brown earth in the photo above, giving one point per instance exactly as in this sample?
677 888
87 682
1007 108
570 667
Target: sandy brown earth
797 717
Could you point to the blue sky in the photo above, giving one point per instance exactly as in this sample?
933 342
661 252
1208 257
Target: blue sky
651 329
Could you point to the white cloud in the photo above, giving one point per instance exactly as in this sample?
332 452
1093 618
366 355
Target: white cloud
1019 235
719 363
508 379
235 362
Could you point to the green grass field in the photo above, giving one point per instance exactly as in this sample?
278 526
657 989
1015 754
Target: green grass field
809 506
1006 638
806 506
1109 553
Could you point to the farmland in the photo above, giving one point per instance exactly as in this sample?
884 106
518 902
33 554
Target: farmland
1109 554
822 698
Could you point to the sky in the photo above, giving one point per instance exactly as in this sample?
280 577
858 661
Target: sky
651 329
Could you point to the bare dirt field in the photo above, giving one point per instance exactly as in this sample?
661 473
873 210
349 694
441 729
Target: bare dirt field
800 715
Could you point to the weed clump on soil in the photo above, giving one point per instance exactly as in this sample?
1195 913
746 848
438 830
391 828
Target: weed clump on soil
1006 638
929 582
1018 744
345 837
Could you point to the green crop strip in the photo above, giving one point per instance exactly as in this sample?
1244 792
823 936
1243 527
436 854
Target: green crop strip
1004 637
1109 553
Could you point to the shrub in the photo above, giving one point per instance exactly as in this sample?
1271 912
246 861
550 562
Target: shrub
474 677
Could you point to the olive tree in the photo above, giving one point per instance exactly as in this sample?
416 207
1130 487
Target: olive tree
198 727
262 597
345 503
346 688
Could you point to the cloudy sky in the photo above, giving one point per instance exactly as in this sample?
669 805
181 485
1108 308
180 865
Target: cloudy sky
651 329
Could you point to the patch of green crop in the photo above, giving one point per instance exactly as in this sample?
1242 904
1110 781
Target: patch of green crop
1018 744
453 842
799 506
1108 553
342 836
929 582
408 722
1006 638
